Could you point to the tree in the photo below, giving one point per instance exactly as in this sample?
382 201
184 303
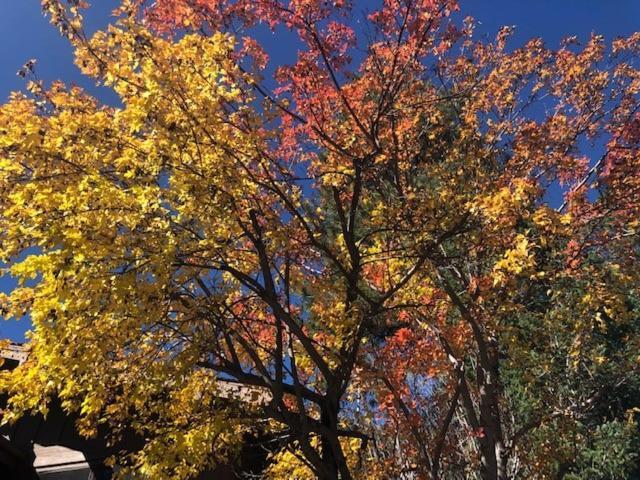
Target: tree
371 242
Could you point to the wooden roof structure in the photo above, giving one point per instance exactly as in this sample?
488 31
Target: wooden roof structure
51 449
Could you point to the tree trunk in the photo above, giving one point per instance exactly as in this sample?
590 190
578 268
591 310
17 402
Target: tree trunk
332 454
494 461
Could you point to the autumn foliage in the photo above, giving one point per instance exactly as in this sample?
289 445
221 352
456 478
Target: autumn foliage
422 245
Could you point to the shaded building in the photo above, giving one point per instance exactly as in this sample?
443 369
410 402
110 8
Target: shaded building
51 448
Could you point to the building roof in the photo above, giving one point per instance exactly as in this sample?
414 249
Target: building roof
54 459
15 351
226 388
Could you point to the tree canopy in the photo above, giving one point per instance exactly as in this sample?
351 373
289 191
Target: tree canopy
369 237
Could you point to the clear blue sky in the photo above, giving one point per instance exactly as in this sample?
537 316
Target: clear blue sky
26 34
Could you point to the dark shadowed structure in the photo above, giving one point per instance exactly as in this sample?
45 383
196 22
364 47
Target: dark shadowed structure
51 449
